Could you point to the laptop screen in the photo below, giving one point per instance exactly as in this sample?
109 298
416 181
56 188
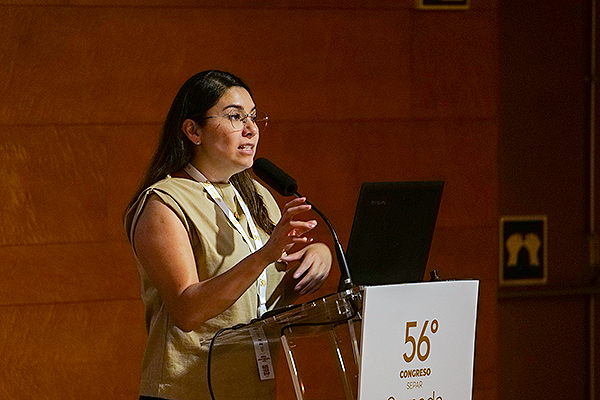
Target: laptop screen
392 231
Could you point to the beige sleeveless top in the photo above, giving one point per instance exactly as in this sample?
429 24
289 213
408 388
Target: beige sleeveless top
174 365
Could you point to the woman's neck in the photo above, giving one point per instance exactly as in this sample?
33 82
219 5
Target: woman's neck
211 177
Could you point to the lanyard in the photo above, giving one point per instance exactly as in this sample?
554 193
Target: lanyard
253 243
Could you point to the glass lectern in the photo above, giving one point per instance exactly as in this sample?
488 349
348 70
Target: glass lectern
289 354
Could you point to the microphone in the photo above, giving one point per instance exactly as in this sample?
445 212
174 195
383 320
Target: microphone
273 176
285 185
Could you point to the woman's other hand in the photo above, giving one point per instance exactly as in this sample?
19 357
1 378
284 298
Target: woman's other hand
315 264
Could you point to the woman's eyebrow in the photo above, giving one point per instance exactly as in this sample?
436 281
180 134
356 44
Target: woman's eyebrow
237 107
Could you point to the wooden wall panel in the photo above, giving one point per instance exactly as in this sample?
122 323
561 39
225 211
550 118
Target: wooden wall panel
464 252
542 343
68 272
544 157
70 183
232 4
130 148
462 154
71 351
343 155
54 188
454 64
544 170
265 4
90 65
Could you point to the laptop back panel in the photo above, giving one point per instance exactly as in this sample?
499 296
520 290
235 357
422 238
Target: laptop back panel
392 231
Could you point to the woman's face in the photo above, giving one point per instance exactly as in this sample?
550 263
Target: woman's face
224 151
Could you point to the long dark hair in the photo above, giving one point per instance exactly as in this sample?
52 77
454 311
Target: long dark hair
197 95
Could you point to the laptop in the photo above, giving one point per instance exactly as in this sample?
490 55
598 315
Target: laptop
392 231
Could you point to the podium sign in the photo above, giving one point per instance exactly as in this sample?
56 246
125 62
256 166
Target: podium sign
418 341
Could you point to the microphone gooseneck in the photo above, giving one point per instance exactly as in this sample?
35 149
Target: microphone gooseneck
287 186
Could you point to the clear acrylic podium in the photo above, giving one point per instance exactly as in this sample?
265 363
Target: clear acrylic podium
414 340
308 344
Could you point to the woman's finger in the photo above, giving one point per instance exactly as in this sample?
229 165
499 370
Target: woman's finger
299 228
289 213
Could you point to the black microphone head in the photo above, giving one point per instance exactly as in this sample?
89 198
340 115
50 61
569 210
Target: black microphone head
273 176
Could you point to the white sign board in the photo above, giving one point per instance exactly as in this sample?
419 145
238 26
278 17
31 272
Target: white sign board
418 341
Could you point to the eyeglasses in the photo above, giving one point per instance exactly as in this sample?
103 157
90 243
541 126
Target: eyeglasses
238 119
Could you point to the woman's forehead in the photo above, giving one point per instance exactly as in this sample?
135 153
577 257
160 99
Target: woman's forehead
236 98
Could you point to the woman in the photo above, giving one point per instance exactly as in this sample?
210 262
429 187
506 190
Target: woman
203 235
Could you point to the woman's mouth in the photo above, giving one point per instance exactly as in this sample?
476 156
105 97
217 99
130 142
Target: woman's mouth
246 148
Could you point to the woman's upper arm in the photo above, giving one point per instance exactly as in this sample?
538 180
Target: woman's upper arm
164 250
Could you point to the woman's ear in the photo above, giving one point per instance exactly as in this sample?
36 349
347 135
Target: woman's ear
192 131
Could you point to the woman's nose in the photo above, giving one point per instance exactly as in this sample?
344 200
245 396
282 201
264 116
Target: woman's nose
250 129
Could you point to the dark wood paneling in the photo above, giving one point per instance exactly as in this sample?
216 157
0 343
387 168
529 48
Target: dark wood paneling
68 272
454 65
71 351
54 189
541 344
544 134
105 65
232 4
331 160
130 148
66 184
236 4
544 170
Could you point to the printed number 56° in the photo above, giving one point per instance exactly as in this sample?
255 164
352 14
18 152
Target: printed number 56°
422 344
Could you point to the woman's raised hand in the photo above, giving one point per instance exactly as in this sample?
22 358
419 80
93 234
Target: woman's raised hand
289 231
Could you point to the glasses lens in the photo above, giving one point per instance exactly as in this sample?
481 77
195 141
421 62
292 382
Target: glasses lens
261 120
238 120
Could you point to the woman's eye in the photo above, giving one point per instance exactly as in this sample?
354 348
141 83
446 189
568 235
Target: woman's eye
235 116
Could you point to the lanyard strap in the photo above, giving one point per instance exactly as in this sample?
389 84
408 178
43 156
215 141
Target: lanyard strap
253 243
